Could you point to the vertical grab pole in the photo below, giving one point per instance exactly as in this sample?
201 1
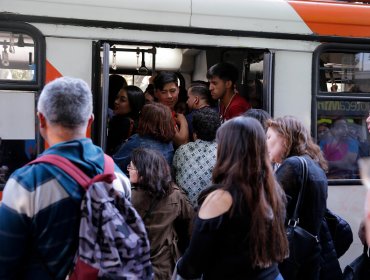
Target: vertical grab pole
104 97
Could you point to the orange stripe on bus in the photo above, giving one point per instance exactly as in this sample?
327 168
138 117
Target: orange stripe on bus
335 19
51 72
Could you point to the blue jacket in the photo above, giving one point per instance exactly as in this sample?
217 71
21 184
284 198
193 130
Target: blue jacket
39 214
123 156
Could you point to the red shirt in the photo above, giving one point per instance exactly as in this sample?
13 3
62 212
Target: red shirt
237 106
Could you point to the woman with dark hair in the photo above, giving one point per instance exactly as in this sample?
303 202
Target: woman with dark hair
239 231
155 131
288 139
162 205
261 115
127 107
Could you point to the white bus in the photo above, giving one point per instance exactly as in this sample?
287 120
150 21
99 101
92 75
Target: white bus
310 59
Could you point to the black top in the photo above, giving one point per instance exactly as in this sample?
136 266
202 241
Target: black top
119 129
313 207
219 250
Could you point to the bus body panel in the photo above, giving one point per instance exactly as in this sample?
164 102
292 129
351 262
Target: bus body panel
163 12
348 202
17 115
270 16
70 57
292 93
255 15
335 19
143 36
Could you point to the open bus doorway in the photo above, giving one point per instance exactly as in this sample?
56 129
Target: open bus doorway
138 62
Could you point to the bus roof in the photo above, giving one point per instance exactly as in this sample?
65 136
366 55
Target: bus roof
316 18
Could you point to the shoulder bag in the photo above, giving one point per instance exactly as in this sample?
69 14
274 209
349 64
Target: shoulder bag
302 244
340 232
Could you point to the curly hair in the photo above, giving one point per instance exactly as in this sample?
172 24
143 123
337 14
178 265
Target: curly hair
298 140
153 171
205 123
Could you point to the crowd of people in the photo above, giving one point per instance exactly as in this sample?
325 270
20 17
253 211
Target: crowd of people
214 188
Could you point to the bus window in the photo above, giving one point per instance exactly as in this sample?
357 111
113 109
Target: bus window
17 56
342 106
345 73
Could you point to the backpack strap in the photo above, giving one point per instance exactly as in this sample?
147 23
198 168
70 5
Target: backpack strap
76 173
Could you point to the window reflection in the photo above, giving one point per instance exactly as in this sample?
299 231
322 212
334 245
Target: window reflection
342 135
17 57
342 72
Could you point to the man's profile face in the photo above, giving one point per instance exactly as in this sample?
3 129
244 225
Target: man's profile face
168 95
217 87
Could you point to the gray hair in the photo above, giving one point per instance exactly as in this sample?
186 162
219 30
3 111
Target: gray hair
66 101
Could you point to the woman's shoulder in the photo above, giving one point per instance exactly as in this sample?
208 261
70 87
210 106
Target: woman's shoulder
217 203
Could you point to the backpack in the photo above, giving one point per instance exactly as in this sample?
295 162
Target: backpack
113 243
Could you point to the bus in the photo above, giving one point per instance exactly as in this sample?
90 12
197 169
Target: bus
310 59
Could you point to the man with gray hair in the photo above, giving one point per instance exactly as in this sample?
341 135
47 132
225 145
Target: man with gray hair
40 211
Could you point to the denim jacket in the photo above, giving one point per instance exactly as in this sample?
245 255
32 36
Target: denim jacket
123 156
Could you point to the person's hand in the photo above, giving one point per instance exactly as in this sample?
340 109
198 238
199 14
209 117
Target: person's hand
151 79
180 120
181 129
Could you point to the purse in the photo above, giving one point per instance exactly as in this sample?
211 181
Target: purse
340 232
359 269
302 244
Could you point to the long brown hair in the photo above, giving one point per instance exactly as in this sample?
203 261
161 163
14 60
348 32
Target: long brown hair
298 140
243 166
156 121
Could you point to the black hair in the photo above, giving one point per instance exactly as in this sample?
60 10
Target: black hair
116 83
225 71
261 115
136 98
205 122
164 78
202 91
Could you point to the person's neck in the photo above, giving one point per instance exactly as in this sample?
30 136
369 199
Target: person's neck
202 105
59 134
226 99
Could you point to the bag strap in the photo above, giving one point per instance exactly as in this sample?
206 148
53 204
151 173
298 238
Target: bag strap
76 173
295 216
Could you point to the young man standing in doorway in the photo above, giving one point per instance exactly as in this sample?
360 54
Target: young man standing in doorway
222 78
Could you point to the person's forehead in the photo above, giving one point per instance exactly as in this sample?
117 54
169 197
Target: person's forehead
214 79
170 85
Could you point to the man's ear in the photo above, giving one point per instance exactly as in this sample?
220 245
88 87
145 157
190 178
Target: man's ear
42 120
91 119
229 84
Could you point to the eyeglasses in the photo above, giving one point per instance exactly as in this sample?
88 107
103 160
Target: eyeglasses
130 167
